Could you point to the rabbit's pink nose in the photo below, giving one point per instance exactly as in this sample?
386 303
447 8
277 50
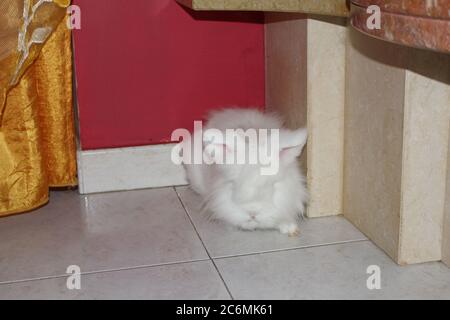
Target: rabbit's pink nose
252 215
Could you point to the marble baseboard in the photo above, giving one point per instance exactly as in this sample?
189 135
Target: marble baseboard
128 168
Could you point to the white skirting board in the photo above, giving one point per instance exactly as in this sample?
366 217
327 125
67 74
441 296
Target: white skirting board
127 169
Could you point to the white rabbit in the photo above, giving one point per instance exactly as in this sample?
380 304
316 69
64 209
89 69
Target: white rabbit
240 194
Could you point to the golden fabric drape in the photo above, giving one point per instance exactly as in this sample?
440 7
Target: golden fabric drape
37 137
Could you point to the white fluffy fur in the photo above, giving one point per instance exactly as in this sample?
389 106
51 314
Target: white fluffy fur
239 194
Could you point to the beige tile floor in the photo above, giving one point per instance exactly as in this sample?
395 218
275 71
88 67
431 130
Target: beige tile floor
156 244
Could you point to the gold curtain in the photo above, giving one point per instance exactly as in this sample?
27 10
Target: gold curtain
37 138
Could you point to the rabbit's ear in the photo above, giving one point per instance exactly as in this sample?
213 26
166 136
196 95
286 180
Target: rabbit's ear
293 138
292 143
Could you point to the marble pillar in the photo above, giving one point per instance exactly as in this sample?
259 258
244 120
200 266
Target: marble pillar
446 228
305 82
396 146
325 109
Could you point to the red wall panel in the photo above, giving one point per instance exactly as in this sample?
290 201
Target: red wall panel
147 67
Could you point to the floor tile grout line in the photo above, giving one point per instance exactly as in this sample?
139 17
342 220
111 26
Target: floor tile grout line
289 249
104 271
203 243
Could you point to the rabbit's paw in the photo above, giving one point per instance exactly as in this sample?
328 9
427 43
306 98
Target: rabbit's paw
291 229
